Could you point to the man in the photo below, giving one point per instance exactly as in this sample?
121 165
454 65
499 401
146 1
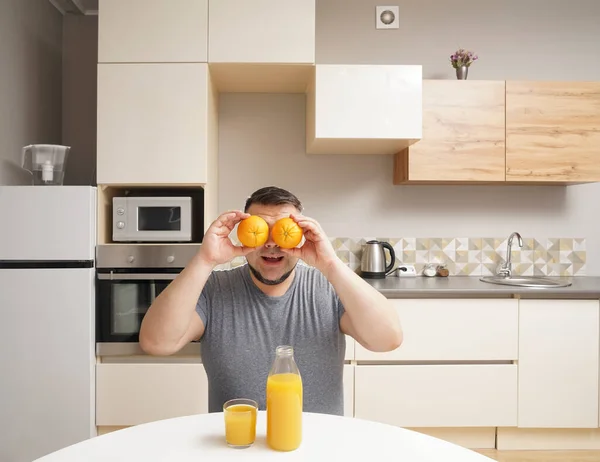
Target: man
241 315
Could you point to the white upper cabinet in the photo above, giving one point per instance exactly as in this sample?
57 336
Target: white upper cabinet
262 31
152 31
156 124
363 109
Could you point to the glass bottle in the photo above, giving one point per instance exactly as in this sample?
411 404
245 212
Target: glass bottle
284 402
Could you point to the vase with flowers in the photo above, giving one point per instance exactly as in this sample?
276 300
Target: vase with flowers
461 60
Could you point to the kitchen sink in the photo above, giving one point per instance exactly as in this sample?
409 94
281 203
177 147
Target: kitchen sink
525 281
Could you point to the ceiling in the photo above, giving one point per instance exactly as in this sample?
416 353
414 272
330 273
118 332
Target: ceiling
79 7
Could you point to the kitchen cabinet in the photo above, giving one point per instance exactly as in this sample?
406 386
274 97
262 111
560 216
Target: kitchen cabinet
453 330
261 31
157 124
558 363
136 393
463 134
553 131
473 395
363 109
262 46
348 390
153 31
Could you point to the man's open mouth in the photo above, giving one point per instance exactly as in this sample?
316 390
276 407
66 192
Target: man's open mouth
272 259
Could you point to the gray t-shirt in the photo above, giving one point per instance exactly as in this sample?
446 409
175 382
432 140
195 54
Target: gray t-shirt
243 326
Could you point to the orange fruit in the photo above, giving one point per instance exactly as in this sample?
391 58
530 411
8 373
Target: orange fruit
286 233
253 231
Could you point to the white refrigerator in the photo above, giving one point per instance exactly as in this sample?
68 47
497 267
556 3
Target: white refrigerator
47 328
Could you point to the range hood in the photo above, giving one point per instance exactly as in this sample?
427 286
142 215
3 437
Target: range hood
77 7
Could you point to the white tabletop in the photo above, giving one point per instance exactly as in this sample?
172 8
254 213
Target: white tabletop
201 438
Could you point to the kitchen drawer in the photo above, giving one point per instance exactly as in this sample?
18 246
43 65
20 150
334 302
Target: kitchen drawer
437 396
451 329
131 394
350 346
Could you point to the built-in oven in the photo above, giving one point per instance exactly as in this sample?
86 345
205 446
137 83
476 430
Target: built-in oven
129 279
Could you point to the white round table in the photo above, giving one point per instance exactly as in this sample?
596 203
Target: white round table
200 438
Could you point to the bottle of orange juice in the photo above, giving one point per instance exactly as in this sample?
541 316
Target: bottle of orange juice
284 402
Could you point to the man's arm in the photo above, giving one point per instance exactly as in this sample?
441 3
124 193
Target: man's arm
370 318
172 322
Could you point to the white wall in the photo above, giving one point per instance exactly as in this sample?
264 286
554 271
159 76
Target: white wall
30 81
262 136
515 39
79 93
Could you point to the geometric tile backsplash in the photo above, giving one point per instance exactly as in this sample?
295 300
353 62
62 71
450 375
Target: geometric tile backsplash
478 256
464 256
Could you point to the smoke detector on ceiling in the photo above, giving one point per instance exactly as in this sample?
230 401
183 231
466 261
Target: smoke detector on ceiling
386 17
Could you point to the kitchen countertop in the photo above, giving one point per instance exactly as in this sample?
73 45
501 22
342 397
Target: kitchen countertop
471 286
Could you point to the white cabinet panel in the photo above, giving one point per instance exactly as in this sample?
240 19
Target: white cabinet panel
350 346
454 329
437 395
152 31
153 123
558 363
131 394
363 109
348 390
262 31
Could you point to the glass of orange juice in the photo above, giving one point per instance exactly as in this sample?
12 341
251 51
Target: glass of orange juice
240 422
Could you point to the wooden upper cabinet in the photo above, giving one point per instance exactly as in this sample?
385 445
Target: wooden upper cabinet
153 31
463 134
553 131
262 31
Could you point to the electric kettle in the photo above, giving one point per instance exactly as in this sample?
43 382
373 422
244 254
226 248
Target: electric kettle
373 263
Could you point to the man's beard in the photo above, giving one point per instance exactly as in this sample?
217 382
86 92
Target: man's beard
270 282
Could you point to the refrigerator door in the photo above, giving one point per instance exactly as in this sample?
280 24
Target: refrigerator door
47 376
47 223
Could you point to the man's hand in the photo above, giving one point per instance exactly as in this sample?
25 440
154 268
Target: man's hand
317 250
216 246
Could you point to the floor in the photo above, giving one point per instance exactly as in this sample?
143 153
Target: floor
541 456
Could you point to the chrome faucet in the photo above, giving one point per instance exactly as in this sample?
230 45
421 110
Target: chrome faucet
505 269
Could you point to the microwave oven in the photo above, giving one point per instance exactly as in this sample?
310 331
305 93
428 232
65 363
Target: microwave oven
152 219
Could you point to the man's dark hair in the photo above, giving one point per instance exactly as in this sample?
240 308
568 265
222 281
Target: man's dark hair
272 195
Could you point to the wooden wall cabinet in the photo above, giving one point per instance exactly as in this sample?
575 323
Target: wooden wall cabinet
463 134
153 31
553 131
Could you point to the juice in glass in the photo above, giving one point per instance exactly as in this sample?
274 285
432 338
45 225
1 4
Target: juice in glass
240 422
284 402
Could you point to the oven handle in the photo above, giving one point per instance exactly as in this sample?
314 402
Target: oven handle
137 276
